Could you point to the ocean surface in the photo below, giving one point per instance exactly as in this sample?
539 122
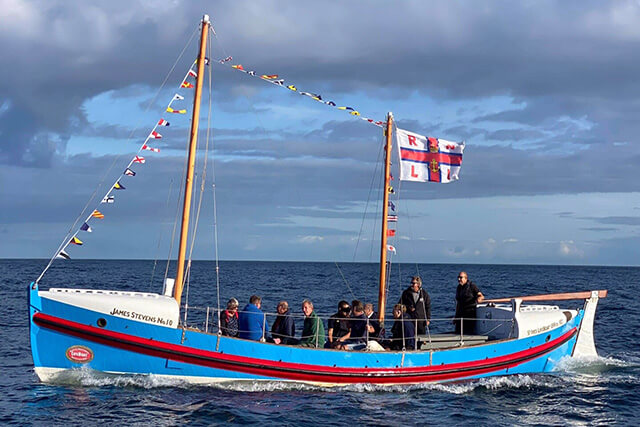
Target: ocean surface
595 392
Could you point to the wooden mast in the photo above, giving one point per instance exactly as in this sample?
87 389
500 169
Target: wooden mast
385 210
188 186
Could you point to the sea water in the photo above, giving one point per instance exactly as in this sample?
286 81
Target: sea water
594 391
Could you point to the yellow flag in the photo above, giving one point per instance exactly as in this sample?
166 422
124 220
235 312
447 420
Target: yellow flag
76 241
171 110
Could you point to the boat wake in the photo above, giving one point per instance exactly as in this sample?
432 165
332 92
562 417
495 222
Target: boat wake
593 365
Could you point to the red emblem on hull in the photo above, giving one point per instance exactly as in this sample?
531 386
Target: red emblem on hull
79 354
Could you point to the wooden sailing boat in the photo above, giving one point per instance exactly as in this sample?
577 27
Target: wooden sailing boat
140 333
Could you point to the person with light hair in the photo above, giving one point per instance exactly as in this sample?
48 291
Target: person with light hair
313 329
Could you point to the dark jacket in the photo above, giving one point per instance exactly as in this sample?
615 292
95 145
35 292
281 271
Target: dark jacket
284 328
339 324
229 323
251 323
466 300
373 321
420 309
398 330
358 327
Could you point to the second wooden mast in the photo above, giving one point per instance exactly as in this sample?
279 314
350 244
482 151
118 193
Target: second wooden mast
382 298
188 185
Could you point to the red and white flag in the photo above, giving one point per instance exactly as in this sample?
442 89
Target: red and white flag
146 147
425 158
155 135
193 73
138 159
391 248
163 122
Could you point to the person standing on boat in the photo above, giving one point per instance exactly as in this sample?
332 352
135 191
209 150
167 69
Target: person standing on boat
403 333
467 297
338 325
283 330
418 304
229 319
252 323
313 329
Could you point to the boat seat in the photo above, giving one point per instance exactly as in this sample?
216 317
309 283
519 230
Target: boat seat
436 341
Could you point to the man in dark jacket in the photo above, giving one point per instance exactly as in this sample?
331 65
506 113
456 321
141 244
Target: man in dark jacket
283 330
375 331
338 325
467 296
418 304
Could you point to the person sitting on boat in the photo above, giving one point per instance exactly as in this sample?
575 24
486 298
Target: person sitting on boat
229 319
373 327
313 329
467 297
357 328
402 332
338 325
418 303
283 330
252 323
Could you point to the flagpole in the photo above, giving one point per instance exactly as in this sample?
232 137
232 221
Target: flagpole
385 210
188 186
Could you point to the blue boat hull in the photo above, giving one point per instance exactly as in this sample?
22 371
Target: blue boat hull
65 337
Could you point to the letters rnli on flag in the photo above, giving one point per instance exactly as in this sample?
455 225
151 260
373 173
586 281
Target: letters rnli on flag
425 159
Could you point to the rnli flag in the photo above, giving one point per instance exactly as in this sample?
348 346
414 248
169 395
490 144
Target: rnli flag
146 147
163 122
76 241
425 158
129 172
97 214
187 85
138 159
118 186
63 255
108 199
171 110
85 227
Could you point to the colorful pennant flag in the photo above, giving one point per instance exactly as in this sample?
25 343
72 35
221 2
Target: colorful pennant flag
391 190
193 73
76 241
171 110
187 85
392 206
85 227
392 218
129 172
155 135
97 214
177 97
146 147
63 255
119 186
227 59
391 248
292 87
238 67
391 233
163 122
206 61
425 158
138 159
269 76
108 199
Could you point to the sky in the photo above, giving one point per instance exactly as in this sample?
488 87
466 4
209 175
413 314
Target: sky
545 95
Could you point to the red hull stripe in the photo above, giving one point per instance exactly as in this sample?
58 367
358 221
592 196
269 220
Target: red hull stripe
452 159
296 371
